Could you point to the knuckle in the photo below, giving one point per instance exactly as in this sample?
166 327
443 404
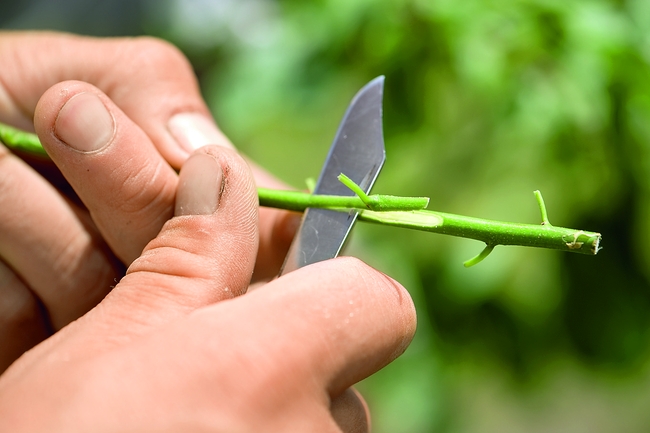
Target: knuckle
153 53
146 191
83 281
18 307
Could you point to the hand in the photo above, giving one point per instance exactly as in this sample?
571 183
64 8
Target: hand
170 349
57 260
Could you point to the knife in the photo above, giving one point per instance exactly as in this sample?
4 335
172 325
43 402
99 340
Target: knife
358 152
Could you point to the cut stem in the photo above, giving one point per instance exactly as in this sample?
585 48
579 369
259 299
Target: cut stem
299 201
406 212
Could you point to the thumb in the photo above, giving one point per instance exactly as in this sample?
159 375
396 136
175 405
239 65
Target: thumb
205 254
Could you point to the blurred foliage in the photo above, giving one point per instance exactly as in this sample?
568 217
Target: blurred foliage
485 101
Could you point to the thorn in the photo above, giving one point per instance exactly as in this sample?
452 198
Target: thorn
356 189
311 184
542 208
479 258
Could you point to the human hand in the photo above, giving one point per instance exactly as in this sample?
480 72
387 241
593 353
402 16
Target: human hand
170 349
57 261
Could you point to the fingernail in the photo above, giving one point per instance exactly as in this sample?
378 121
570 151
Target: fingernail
193 130
84 123
199 186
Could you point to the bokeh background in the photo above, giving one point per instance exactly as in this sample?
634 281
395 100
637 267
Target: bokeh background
486 101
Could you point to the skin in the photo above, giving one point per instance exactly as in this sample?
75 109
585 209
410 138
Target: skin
179 344
144 83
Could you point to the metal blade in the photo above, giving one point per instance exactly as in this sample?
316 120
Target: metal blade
358 152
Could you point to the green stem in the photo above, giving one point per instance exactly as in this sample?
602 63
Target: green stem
299 201
21 140
489 231
406 212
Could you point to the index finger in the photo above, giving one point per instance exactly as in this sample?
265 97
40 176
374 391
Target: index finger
339 321
149 79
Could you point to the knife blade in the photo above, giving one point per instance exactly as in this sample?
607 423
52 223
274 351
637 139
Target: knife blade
358 152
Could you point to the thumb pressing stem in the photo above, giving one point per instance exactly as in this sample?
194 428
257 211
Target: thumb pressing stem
200 184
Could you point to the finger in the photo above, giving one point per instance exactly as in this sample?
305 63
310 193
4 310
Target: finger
149 79
358 319
277 229
303 339
349 319
22 324
334 322
204 254
111 164
153 84
350 412
48 246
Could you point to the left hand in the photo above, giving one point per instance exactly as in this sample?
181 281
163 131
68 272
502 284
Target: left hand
57 260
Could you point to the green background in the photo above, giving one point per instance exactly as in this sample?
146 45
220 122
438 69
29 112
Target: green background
485 102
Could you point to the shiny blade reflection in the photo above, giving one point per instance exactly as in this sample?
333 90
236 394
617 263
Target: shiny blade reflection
357 151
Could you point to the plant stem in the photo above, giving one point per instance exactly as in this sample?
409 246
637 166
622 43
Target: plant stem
21 140
406 212
299 201
489 231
